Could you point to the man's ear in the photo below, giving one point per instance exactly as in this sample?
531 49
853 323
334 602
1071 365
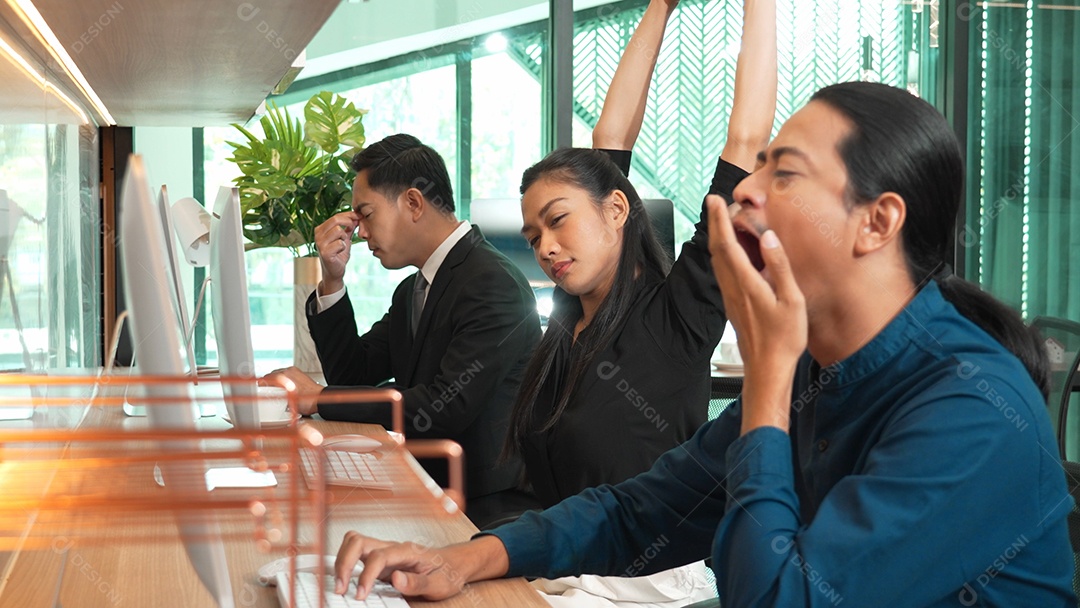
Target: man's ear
414 203
617 208
881 223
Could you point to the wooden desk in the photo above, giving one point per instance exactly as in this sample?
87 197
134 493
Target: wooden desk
159 574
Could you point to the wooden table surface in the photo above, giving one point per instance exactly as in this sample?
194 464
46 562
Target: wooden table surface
63 573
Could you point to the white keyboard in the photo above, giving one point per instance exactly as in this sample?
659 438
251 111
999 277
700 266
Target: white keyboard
307 593
360 470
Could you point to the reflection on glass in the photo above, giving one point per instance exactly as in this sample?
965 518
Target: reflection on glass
11 215
50 234
49 247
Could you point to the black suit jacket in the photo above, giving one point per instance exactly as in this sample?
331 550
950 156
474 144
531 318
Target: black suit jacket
460 374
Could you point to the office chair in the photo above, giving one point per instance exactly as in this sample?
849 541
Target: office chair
1062 339
1072 479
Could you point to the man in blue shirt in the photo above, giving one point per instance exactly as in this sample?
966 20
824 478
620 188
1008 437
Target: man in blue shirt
891 446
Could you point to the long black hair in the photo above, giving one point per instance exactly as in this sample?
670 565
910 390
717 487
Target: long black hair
641 258
900 143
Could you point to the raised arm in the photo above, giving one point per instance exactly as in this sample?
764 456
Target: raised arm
624 105
754 106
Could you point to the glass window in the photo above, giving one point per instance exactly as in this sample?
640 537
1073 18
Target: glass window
685 125
506 124
476 98
479 97
1021 238
50 236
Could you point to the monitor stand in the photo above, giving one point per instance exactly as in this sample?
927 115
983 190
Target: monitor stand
203 410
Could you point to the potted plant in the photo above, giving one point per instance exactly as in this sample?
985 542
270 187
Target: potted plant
293 179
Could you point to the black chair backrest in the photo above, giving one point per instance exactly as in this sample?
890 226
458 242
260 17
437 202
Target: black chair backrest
1063 345
1062 338
1072 478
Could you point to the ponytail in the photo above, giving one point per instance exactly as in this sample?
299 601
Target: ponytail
1003 324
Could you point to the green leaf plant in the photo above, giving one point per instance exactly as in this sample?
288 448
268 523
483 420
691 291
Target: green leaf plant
294 179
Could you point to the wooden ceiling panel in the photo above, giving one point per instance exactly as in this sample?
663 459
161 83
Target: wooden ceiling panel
25 102
30 93
184 62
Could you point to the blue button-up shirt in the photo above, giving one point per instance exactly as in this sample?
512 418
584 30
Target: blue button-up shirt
920 471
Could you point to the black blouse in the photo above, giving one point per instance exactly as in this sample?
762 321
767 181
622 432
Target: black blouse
648 390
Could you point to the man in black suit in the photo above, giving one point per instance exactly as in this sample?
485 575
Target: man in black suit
458 333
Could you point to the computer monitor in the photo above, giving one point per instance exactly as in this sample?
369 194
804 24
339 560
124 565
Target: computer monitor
179 304
662 216
500 221
232 316
154 326
173 260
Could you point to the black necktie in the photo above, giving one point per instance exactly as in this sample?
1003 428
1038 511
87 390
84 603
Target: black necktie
418 294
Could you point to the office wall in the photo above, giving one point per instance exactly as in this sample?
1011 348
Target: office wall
167 154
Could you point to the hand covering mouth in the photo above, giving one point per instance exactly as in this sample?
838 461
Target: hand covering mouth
748 232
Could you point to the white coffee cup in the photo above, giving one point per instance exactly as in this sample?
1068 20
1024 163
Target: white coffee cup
729 353
273 403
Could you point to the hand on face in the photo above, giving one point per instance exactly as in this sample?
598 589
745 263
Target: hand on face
769 316
412 569
307 390
333 239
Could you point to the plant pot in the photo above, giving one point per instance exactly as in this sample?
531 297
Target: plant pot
307 272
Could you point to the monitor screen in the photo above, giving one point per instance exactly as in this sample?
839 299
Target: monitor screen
158 340
662 216
232 316
172 260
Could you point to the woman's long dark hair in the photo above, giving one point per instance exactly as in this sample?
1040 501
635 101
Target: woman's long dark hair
641 258
900 143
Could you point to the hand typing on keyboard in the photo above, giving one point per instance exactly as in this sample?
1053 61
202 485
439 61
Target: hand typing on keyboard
416 570
307 593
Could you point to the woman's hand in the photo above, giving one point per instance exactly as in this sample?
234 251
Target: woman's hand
416 570
769 317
